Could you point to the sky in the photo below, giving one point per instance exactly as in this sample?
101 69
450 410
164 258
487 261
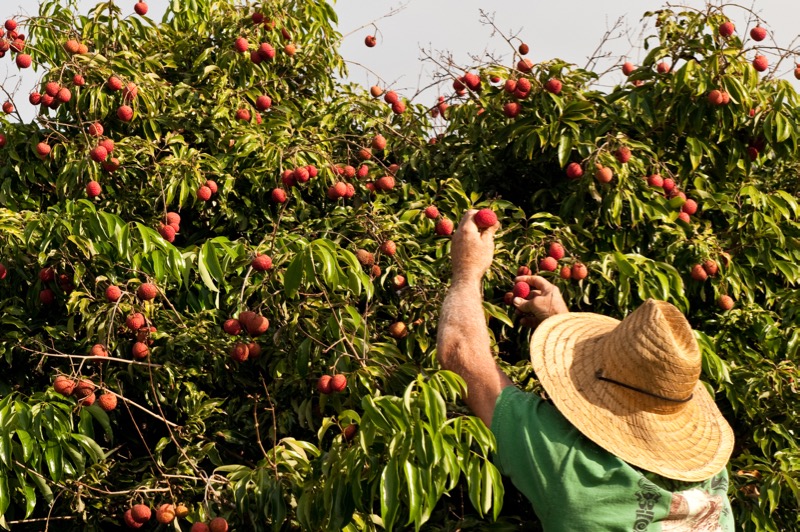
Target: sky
408 30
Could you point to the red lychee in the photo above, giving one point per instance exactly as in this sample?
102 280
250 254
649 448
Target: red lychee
23 61
431 212
623 154
512 109
165 514
760 63
690 207
698 273
84 388
261 263
241 45
125 113
385 183
398 282
338 383
726 29
398 108
397 330
11 24
389 248
391 97
521 289
129 521
256 325
93 189
278 195
710 267
523 49
78 80
758 33
64 95
553 86
263 102
140 350
684 217
266 51
378 143
232 327
218 524
107 401
3 271
375 91
113 83
167 232
370 41
98 350
565 273
668 184
485 218
725 302
35 98
8 108
444 227
525 65
556 251
64 385
98 154
243 115
141 513
579 271
47 297
628 68
147 291
324 384
95 129
240 352
715 97
604 174
655 180
199 527
548 264
472 81
574 171
663 67
113 293
140 8
135 321
47 275
204 193
111 165
131 92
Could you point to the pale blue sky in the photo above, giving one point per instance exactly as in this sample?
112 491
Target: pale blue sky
569 29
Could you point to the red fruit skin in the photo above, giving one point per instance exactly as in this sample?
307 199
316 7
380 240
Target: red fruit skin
655 180
566 272
553 86
388 247
710 267
278 195
758 33
663 67
324 384
98 154
135 321
204 193
129 520
113 293
684 217
338 383
370 41
375 91
131 92
141 513
668 184
167 232
261 263
266 51
511 109
444 227
579 271
263 102
140 8
107 401
391 97
698 273
379 143
212 185
431 212
64 385
241 45
725 302
690 207
385 183
628 68
47 297
760 63
521 290
113 83
3 271
524 49
147 291
398 108
125 113
485 218
525 65
524 270
574 171
8 108
623 154
256 325
78 80
232 327
508 298
548 264
604 175
243 115
556 251
726 29
93 189
11 24
140 350
23 61
240 352
218 524
95 129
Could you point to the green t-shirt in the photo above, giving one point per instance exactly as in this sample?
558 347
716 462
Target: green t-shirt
575 485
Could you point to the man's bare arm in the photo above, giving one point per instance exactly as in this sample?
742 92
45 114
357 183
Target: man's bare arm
463 343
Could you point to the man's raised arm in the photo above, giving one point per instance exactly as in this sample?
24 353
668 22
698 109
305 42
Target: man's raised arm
463 340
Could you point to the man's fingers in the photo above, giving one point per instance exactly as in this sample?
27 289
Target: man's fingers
536 281
488 233
467 224
525 305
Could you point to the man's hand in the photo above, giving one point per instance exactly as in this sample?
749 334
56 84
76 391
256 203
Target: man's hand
472 249
545 299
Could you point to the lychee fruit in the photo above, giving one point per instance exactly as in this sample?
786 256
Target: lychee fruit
521 289
113 83
35 98
199 527
130 92
628 68
47 275
95 129
256 325
64 95
140 8
42 150
715 97
398 282
350 432
167 232
385 183
324 384
556 251
135 321
553 86
253 350
263 102
760 63
243 115
240 352
758 33
684 217
266 51
604 174
398 108
3 271
84 388
141 513
98 350
485 218
689 207
398 330
444 227
623 154
726 29
23 61
261 263
218 524
338 383
113 293
278 195
668 184
125 113
93 189
548 264
8 108
365 257
525 65
375 91
47 297
129 521
389 248
663 67
512 109
232 327
108 144
579 271
378 143
98 154
165 514
140 350
241 45
523 270
725 302
147 291
11 24
107 401
64 385
391 97
431 212
523 49
710 267
655 180
370 41
698 273
565 273
574 171
204 193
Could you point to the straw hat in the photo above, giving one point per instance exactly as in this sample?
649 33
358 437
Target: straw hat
632 387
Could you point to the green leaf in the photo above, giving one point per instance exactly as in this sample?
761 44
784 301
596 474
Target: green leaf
390 494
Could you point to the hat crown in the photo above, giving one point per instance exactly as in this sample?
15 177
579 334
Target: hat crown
654 351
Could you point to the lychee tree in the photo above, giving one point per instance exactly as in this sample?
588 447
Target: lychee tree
221 268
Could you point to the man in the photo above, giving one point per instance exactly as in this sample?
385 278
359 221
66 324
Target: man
632 439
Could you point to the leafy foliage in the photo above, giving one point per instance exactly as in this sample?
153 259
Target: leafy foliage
256 441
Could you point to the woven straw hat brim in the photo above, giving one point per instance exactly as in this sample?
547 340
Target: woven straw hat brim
690 444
